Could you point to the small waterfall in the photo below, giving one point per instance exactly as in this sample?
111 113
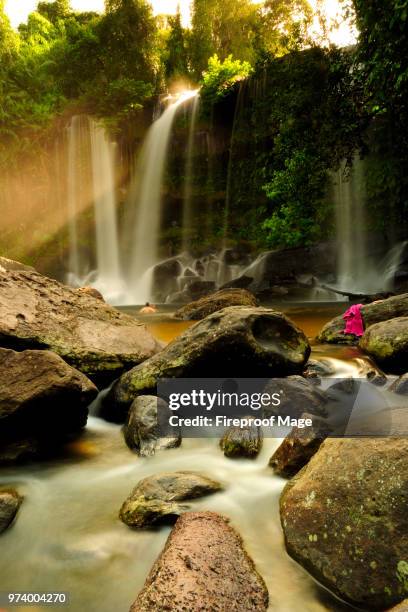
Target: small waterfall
91 180
188 187
353 267
147 199
109 277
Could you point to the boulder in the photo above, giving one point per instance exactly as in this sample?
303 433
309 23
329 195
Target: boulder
243 441
203 568
299 447
194 290
235 342
10 502
297 395
217 301
344 519
390 308
142 431
242 282
387 344
42 399
402 607
156 498
400 386
39 313
165 275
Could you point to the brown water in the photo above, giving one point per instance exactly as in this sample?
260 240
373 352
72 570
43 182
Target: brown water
68 536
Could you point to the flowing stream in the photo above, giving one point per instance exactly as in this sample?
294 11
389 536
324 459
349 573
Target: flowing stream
67 536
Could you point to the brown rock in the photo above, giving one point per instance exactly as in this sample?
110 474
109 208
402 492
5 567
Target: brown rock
40 313
203 568
91 291
217 301
344 519
299 447
10 502
41 397
245 441
387 344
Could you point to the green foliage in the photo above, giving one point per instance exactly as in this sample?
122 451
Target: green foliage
224 28
176 61
220 77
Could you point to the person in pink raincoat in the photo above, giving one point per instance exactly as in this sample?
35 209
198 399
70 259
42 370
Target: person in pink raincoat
354 321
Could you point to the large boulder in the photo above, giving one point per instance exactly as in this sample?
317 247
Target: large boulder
299 446
344 519
238 342
142 431
39 313
157 498
387 344
9 265
10 502
217 301
203 568
400 386
42 399
376 312
297 395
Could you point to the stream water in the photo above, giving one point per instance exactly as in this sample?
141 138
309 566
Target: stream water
68 537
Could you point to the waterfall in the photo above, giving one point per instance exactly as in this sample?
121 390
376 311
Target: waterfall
109 277
91 180
147 199
188 187
353 267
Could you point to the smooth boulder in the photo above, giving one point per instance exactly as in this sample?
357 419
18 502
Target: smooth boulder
387 344
42 399
142 429
235 342
203 568
37 312
297 395
216 301
156 499
344 519
376 312
299 447
10 502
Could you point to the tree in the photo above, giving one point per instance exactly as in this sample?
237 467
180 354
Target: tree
222 27
282 26
53 11
176 61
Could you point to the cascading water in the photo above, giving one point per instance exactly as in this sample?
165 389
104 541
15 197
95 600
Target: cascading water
91 179
146 197
353 267
188 187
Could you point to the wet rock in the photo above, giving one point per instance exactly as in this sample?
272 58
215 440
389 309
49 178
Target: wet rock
280 265
10 502
318 368
299 447
42 399
217 301
156 498
39 313
297 395
142 430
387 344
377 378
194 290
400 386
344 519
245 441
165 275
237 341
390 308
203 568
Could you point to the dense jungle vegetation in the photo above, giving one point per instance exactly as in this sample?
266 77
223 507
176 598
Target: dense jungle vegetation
309 105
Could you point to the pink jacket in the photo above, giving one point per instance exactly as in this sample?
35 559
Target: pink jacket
354 321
